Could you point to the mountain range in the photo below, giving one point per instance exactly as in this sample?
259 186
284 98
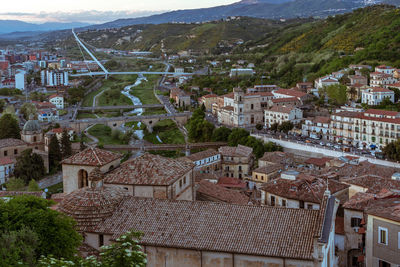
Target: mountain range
8 26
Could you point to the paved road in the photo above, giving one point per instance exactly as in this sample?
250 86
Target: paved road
50 180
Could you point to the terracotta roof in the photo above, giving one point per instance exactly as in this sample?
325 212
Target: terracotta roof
221 193
259 94
306 188
321 119
284 99
229 95
20 193
149 170
60 130
393 85
210 96
380 89
6 161
231 182
373 183
320 162
278 157
382 112
8 142
55 95
269 168
293 93
388 208
92 157
229 108
210 226
282 109
203 154
89 206
364 168
239 151
359 201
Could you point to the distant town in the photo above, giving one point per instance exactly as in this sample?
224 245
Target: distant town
203 162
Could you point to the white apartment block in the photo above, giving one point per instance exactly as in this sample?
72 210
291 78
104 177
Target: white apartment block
279 114
380 79
57 100
325 81
375 95
20 79
317 127
369 129
54 78
385 69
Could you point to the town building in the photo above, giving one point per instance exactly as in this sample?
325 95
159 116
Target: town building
208 101
375 95
304 192
241 72
57 100
207 161
317 127
208 235
209 191
76 168
280 114
285 160
237 161
266 173
11 147
181 98
6 169
289 101
54 78
59 133
358 79
155 177
289 93
384 69
20 80
325 81
243 110
380 79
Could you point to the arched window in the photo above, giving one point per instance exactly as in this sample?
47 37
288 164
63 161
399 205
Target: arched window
83 179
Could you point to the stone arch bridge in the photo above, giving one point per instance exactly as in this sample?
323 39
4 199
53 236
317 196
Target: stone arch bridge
115 122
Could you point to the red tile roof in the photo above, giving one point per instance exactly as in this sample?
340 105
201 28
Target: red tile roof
149 170
388 208
221 227
293 93
92 157
231 182
210 96
6 161
382 112
203 154
373 183
214 191
320 162
9 142
288 99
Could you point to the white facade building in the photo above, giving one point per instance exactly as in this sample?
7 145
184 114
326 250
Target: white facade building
325 81
54 78
20 80
279 114
57 100
6 169
375 95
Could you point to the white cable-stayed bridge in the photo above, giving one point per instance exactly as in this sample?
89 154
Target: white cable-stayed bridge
106 73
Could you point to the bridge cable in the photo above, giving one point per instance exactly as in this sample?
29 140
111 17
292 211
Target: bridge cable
84 59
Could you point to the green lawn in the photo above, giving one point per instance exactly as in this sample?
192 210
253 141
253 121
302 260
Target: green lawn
168 132
57 188
88 99
144 91
85 115
104 134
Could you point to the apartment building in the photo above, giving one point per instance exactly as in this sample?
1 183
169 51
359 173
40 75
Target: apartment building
375 95
237 161
279 114
380 79
317 127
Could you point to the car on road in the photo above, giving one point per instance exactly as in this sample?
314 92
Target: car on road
329 144
337 146
321 143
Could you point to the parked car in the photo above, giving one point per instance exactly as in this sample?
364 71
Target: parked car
329 144
337 146
322 143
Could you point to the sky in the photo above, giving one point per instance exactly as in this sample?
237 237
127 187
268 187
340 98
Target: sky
94 11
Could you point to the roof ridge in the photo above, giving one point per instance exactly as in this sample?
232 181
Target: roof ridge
94 152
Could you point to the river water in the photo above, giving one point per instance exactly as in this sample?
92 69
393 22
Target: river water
136 101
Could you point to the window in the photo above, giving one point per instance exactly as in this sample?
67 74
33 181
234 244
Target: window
272 201
383 263
184 179
101 240
309 206
283 202
5 153
180 183
382 238
15 151
355 222
301 204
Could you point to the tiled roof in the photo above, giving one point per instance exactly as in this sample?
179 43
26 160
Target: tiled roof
380 89
149 170
221 193
293 93
269 168
92 157
359 201
320 162
20 193
388 208
278 157
321 119
55 95
364 168
6 160
210 96
89 206
231 182
209 226
239 151
203 154
8 142
382 112
373 183
284 99
282 109
306 188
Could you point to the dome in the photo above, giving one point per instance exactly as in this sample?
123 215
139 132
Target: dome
32 126
89 206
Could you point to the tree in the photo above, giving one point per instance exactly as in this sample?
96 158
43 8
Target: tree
9 127
55 231
126 251
33 186
18 246
2 105
66 148
285 126
29 166
82 146
337 93
27 109
238 136
259 126
392 150
15 184
221 134
55 155
274 127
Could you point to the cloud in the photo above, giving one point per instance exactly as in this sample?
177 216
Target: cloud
89 16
